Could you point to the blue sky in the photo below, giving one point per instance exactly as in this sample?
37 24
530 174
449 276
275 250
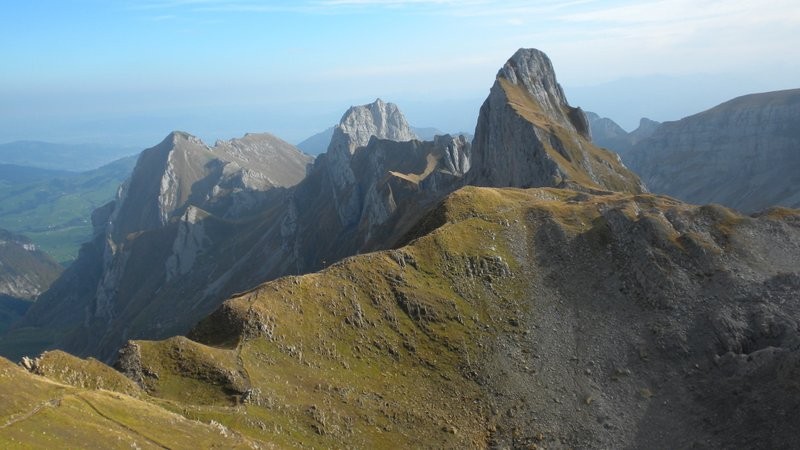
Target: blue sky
130 71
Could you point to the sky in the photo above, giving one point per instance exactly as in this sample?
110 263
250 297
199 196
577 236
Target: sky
128 72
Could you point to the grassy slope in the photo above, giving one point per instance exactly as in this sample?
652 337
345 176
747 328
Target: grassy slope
373 352
55 213
40 413
396 349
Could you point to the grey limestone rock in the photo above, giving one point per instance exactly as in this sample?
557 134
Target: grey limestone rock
357 126
742 154
528 135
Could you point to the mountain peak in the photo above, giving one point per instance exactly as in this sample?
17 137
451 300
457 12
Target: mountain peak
176 137
532 70
528 135
380 119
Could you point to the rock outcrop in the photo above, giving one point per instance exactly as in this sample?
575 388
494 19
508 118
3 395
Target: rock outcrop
742 154
372 174
358 125
528 135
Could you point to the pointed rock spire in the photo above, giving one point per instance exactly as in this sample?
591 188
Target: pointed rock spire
528 135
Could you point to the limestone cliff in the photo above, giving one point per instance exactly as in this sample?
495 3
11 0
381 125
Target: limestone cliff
358 125
742 154
374 170
175 210
528 135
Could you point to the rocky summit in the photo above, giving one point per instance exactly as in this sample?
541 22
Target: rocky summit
519 291
742 154
527 135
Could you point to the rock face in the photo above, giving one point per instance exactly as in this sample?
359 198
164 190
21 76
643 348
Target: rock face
25 271
358 125
742 154
360 189
182 170
528 135
196 224
176 209
380 119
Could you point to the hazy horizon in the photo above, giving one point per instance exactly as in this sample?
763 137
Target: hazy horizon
129 72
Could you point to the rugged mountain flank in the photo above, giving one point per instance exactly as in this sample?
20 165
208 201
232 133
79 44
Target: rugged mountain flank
373 183
182 205
197 224
742 154
516 318
527 135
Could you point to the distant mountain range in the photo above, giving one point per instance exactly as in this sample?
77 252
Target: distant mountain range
741 154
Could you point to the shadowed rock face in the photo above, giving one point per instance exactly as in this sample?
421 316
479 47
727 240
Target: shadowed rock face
358 125
528 135
742 154
166 219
